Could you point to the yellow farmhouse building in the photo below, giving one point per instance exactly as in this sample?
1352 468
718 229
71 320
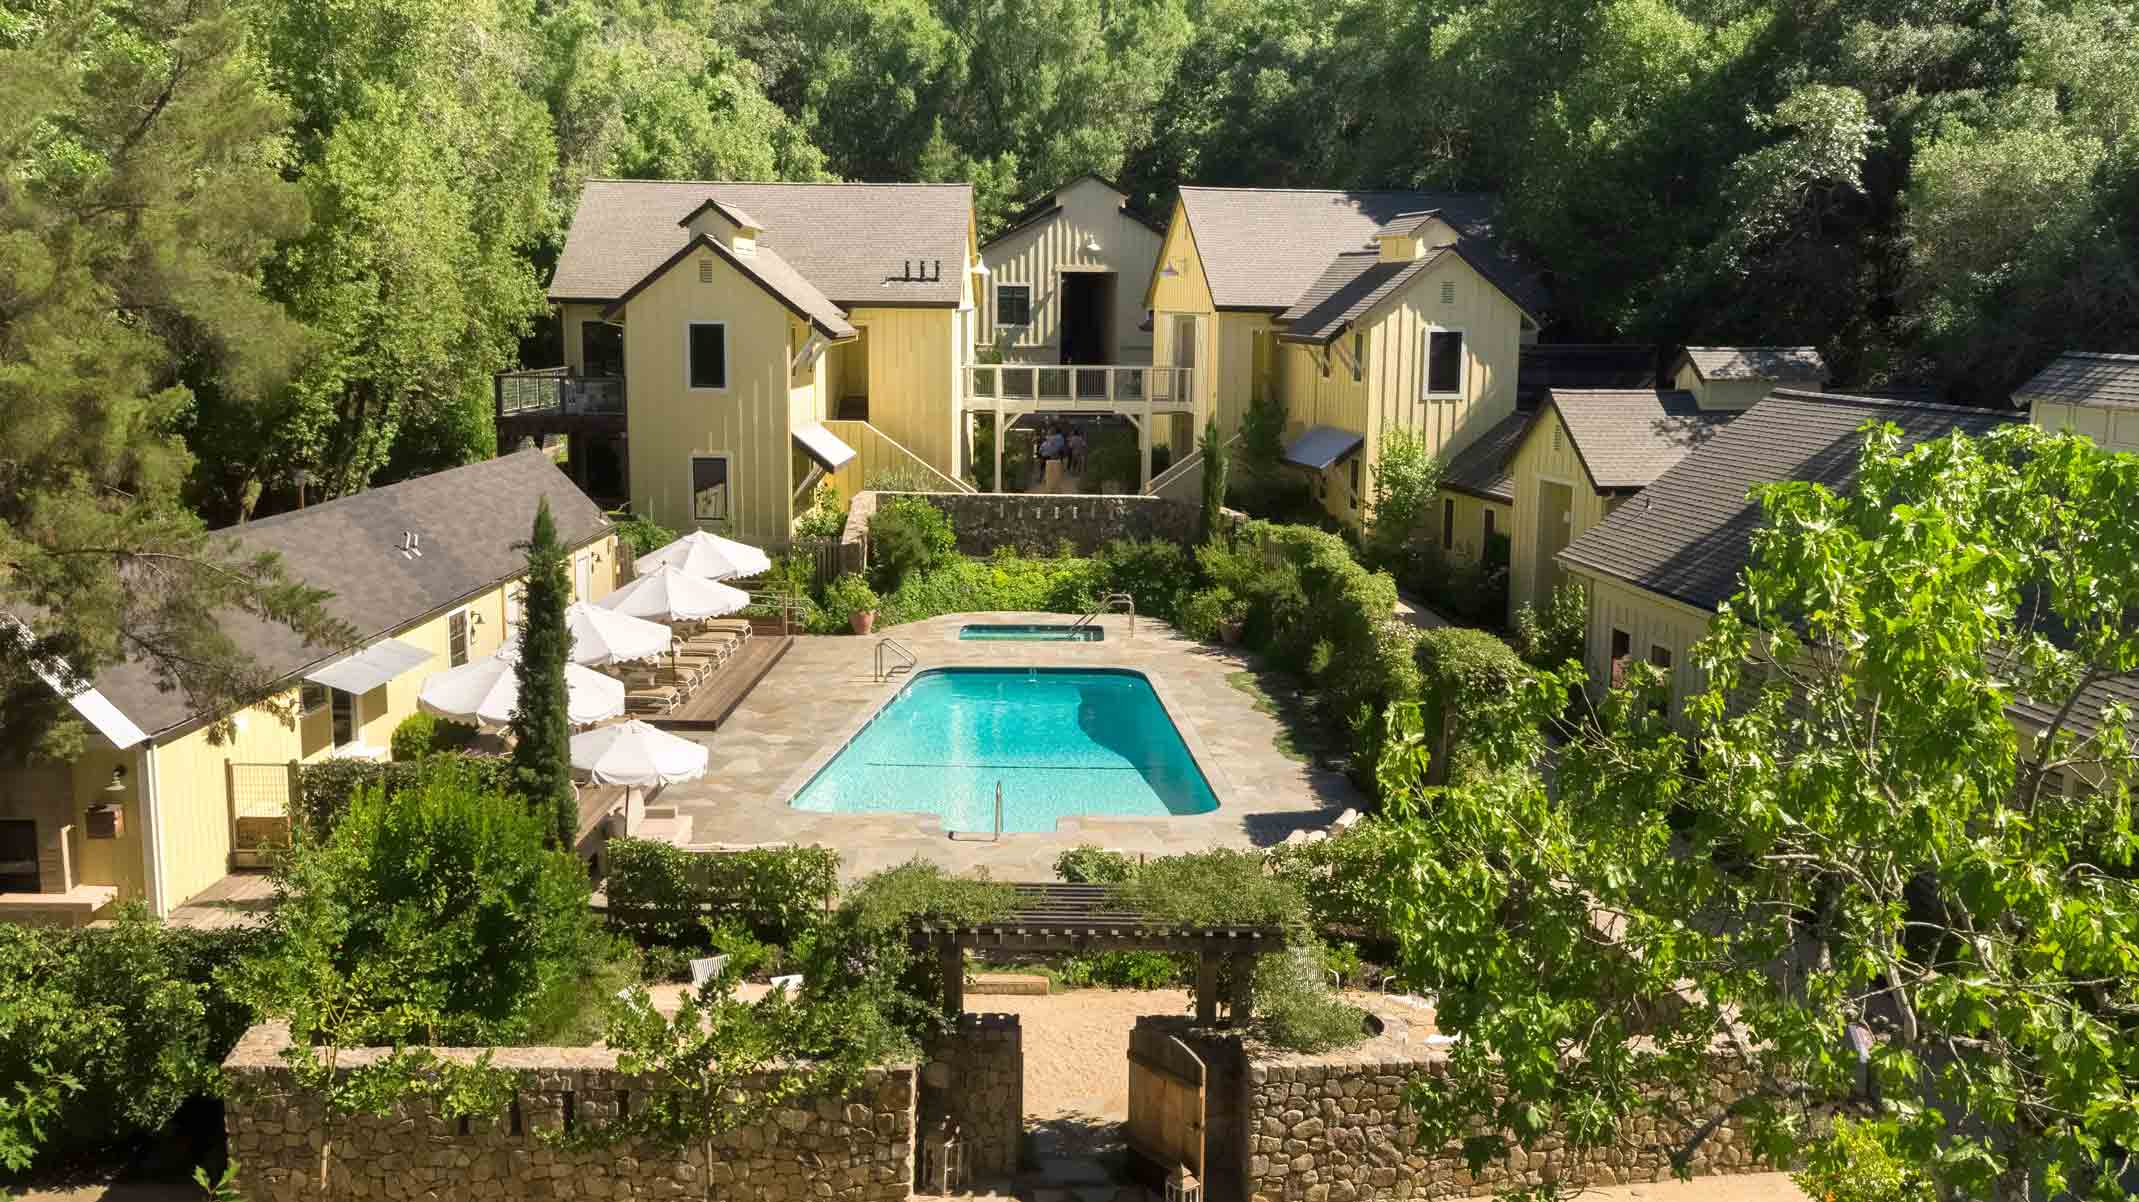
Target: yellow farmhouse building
727 345
425 571
1066 279
1362 312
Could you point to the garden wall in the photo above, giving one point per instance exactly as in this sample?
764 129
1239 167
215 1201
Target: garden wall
1037 525
853 1149
975 1076
1334 1127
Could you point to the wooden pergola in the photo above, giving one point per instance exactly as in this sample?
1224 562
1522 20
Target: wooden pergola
1088 918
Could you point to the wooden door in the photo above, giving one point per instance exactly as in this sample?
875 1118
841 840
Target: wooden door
1166 1107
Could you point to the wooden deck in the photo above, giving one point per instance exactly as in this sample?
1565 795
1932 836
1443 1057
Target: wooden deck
239 899
710 706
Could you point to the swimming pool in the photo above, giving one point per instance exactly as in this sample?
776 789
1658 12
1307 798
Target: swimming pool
1063 743
1061 632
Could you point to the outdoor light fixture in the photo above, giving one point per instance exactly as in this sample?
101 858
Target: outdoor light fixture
118 780
1170 271
943 1159
1091 244
1182 1186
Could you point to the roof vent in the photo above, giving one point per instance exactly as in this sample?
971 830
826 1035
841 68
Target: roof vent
411 545
705 271
1448 292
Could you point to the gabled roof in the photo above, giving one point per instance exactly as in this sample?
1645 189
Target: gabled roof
1043 207
1482 468
729 213
1350 288
1791 364
2086 378
858 244
1687 536
1404 224
1626 438
769 271
1262 248
468 521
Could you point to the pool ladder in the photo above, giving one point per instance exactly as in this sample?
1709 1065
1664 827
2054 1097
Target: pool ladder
895 647
1111 603
977 836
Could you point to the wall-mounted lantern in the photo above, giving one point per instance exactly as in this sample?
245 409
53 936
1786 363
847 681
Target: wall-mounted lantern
1182 1186
943 1159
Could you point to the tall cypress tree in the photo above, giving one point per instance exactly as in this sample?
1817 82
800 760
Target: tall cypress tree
542 754
1214 474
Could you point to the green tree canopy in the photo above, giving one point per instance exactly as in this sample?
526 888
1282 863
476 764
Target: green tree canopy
1851 835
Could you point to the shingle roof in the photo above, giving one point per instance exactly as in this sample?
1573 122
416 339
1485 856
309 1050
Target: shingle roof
1263 247
1481 469
1356 282
1687 535
2086 377
1626 438
1407 223
1799 364
467 521
1546 365
853 242
771 272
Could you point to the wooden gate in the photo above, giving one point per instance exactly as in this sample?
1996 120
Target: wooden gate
1166 1107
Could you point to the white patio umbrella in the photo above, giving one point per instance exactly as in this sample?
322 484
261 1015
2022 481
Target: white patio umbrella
484 692
671 594
605 636
707 555
637 756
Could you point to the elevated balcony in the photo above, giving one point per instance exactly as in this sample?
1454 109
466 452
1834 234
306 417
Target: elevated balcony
551 400
1130 388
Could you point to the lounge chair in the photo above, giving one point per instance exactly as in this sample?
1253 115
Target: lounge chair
739 627
722 643
658 700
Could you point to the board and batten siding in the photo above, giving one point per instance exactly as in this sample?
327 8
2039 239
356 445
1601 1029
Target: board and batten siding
1650 621
1545 455
747 421
914 378
1188 292
193 768
1468 541
2113 428
1039 254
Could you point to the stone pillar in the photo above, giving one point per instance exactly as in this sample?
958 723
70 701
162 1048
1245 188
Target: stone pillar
975 1076
952 958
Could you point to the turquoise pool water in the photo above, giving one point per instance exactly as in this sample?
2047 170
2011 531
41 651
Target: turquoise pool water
1059 633
1063 743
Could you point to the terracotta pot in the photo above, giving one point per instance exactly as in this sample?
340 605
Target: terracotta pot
863 620
1229 630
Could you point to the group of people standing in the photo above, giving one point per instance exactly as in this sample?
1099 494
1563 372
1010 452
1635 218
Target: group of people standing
1065 443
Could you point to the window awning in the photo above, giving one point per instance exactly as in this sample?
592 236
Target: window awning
823 446
371 667
1320 446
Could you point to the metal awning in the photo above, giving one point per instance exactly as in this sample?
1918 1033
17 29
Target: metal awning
823 446
1321 446
371 667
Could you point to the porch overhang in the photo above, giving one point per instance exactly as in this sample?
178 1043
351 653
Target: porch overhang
823 446
368 669
1318 447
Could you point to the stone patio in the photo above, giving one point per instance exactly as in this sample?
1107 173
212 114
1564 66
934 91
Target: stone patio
799 716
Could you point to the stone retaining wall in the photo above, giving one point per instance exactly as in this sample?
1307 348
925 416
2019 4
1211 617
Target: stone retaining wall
853 1149
975 1076
1036 525
1335 1128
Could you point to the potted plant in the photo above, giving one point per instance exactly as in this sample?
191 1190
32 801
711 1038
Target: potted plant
853 594
1232 620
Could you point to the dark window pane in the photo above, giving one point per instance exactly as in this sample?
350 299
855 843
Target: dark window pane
1448 525
709 490
1444 362
344 718
1013 304
709 356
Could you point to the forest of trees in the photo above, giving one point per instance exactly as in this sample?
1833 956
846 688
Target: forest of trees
291 240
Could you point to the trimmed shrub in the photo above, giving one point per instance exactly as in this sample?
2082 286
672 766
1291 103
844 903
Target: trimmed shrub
1342 878
435 914
1471 681
1088 865
1294 1008
662 894
326 787
1126 970
907 535
1157 573
1205 609
1004 581
414 736
128 1012
1549 637
849 595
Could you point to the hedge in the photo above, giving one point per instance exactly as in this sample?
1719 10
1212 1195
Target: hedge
1470 681
661 894
325 787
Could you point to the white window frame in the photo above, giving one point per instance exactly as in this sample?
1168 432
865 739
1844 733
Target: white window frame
725 347
583 568
996 313
1463 364
690 484
466 614
326 698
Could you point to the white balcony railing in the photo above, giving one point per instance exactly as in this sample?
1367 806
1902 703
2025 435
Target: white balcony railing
1097 386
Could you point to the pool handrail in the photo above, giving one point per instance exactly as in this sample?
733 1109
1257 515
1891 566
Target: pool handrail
997 837
1107 604
897 648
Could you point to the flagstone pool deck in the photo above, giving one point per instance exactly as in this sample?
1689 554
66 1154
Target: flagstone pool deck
821 692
